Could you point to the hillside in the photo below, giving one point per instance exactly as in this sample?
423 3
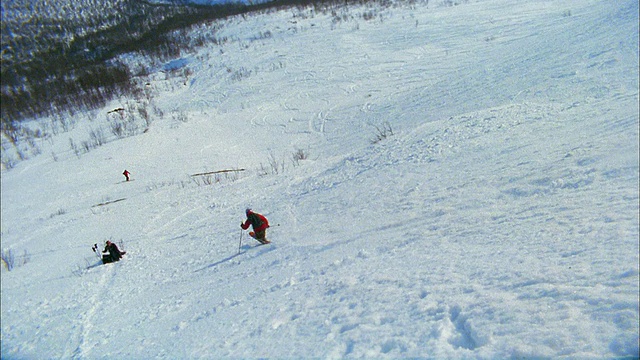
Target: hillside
441 181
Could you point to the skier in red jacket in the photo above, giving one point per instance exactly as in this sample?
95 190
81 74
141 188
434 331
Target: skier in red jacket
260 225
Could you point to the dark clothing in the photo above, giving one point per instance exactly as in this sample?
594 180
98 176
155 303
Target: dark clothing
260 236
258 221
114 254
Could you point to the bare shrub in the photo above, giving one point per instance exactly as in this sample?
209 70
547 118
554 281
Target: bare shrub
10 260
97 137
299 155
273 167
23 140
58 213
216 177
180 117
204 180
382 132
157 111
130 120
86 146
117 128
74 147
238 75
8 162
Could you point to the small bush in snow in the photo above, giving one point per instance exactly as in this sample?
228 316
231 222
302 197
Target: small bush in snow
58 213
382 132
239 74
274 167
205 180
215 177
97 137
11 261
8 259
8 162
74 147
180 117
298 156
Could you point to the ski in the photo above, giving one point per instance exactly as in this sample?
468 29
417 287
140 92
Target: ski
247 247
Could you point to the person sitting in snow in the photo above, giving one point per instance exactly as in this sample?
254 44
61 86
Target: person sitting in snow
111 253
260 225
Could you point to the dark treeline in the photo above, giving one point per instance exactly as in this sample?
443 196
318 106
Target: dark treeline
81 74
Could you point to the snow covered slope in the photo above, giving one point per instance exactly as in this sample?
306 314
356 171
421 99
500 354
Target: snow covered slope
499 219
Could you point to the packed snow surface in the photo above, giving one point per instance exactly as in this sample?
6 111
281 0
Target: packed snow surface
465 185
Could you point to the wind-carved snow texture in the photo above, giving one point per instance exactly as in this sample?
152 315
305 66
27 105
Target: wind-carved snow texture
499 220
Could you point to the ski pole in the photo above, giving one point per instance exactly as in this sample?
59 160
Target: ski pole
240 245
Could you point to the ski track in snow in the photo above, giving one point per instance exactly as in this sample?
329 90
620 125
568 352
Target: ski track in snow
500 220
87 319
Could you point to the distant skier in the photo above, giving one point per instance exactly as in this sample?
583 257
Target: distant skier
260 225
126 175
111 253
